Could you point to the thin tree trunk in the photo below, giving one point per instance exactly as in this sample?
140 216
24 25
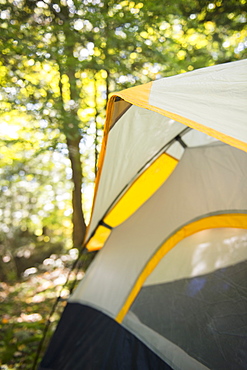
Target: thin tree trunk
79 226
73 138
96 140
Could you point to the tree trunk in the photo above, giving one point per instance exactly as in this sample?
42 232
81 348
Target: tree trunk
79 226
73 137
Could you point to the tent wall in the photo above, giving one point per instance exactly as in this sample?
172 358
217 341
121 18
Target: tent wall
186 310
130 139
207 181
78 344
140 190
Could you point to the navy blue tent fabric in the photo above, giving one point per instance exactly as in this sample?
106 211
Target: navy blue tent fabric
90 340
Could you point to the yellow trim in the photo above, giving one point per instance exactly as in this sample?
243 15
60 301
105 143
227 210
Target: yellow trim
133 97
235 220
141 190
97 241
144 92
137 95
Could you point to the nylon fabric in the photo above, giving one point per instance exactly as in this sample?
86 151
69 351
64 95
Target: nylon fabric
216 221
206 316
129 149
142 189
201 253
78 344
211 109
138 94
211 100
139 192
207 180
99 238
175 356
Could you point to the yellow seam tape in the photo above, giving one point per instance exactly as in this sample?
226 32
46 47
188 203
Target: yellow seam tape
235 220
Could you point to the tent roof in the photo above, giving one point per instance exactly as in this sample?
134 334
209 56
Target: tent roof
143 121
212 100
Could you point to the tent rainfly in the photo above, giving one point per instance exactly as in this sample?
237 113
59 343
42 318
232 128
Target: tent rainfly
168 290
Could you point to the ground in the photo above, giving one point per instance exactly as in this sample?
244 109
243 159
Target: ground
24 310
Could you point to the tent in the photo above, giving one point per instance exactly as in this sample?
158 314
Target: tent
168 287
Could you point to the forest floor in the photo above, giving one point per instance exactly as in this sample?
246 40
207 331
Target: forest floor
25 308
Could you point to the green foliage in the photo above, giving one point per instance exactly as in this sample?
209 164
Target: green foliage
35 199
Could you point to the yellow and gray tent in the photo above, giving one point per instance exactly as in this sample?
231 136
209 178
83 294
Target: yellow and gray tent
168 287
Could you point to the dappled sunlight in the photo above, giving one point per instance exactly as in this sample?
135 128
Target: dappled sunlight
198 263
26 306
27 300
220 252
200 254
29 318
